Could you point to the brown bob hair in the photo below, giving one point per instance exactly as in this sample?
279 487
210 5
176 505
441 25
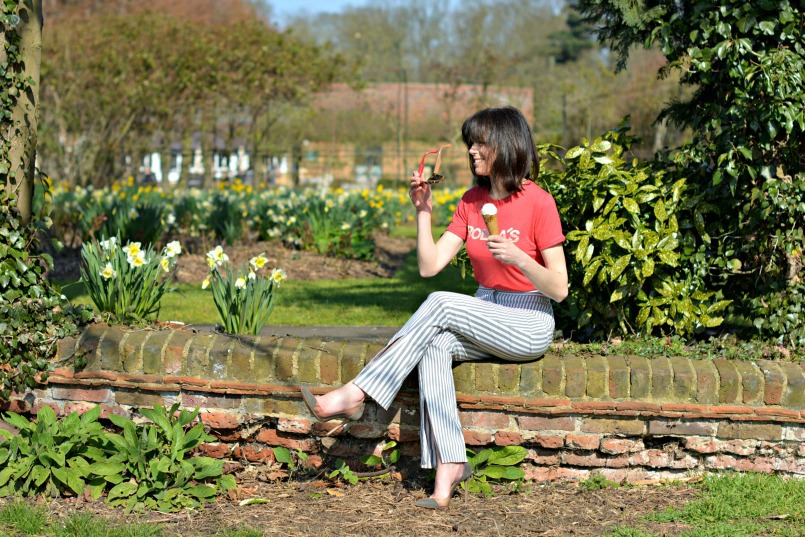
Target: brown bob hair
507 134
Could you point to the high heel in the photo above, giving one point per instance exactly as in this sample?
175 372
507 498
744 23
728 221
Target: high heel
433 503
351 414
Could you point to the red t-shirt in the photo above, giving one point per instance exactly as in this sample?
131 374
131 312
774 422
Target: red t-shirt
529 218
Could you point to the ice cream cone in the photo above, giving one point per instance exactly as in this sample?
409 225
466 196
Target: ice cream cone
490 214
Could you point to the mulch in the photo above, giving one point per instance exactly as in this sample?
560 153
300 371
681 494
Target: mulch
385 507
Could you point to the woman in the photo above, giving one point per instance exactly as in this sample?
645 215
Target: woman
510 317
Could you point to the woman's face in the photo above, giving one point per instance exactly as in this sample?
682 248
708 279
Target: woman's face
482 158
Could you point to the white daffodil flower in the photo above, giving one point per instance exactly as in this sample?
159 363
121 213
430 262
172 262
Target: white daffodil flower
108 272
173 249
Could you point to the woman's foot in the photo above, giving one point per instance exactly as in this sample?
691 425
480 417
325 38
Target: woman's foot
346 402
448 476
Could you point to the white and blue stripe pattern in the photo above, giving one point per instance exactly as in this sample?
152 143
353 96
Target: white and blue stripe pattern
512 326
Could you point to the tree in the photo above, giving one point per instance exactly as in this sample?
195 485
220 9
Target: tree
20 53
745 61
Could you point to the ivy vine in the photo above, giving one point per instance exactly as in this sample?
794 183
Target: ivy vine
33 313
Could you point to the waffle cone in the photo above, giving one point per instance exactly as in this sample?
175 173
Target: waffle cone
491 223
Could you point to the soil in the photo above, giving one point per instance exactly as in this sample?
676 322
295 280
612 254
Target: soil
386 508
390 254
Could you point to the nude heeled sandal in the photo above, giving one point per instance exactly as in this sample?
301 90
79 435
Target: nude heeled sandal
433 503
310 403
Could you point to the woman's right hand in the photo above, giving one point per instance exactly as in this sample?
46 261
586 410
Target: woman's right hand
420 193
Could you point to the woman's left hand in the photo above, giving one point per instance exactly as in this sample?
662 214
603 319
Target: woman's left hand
504 250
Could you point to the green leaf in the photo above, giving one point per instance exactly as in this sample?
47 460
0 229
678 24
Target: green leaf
282 455
619 266
507 455
123 490
631 205
574 153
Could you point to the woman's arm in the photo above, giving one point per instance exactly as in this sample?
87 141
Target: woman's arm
432 256
551 279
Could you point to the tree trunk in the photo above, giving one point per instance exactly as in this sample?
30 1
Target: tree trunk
22 131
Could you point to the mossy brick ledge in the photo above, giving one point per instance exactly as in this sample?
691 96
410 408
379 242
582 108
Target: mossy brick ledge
627 418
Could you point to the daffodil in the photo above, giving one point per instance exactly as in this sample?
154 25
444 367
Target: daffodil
109 244
132 249
205 283
108 272
259 261
240 283
137 260
173 249
217 255
345 226
278 276
252 275
165 263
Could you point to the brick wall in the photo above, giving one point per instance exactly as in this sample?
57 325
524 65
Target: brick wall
628 418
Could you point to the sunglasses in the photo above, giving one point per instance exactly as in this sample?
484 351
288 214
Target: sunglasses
435 177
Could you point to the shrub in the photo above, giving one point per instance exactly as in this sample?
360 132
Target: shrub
634 268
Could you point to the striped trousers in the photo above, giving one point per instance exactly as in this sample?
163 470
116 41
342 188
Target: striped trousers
511 326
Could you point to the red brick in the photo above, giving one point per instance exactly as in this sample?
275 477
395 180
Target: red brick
595 460
508 439
682 427
761 465
220 420
399 435
491 420
273 437
616 446
782 412
20 406
314 461
593 405
532 423
328 429
290 425
702 445
577 441
254 453
550 441
366 430
546 403
683 407
631 427
720 462
615 475
729 409
95 395
216 451
39 404
477 438
639 406
775 382
759 431
740 447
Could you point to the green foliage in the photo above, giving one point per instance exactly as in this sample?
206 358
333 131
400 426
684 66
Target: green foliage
152 468
341 229
133 220
146 466
389 456
495 465
127 282
597 482
33 313
295 461
631 269
51 457
745 60
343 472
243 299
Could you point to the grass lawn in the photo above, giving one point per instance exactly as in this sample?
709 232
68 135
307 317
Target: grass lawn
348 302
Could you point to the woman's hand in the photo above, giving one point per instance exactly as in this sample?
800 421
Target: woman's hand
504 250
420 193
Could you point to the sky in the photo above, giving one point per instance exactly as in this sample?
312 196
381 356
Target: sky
285 8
